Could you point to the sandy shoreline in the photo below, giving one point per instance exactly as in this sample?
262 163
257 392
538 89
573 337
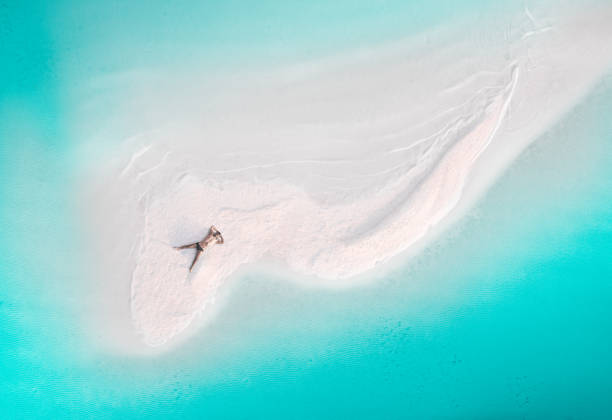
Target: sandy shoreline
331 171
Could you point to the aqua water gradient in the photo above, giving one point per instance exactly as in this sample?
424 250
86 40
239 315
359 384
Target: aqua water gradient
507 315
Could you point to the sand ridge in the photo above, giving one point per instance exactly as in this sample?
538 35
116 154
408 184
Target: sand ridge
337 170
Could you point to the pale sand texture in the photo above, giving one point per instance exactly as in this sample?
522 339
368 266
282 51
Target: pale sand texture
334 167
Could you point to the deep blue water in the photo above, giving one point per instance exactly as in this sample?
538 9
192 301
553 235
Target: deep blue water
507 315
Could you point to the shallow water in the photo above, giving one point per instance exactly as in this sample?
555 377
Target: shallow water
505 315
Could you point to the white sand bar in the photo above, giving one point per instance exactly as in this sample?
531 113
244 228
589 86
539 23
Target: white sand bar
329 167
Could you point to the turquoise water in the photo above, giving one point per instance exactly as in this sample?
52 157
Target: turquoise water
506 316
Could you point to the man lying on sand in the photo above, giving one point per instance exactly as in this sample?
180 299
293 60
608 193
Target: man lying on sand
213 236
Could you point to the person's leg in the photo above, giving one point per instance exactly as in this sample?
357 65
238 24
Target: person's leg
186 246
195 259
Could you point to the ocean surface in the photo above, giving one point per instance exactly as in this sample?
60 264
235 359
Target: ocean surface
506 315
